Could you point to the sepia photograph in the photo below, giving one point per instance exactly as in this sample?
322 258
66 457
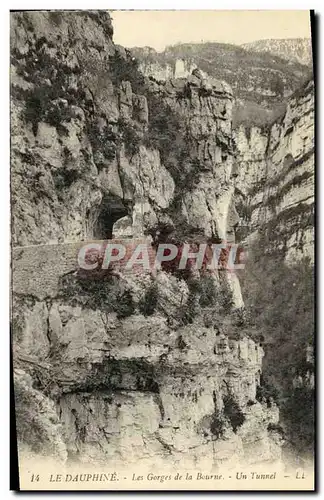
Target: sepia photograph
162 185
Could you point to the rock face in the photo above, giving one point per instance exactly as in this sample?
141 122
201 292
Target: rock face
126 385
68 127
133 389
71 130
129 378
292 49
275 179
205 108
274 193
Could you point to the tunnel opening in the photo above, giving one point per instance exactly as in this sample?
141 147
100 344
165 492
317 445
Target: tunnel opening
112 208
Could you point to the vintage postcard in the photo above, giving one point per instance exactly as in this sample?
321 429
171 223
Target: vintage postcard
162 204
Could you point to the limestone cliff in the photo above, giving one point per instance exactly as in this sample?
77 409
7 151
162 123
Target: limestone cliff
129 367
132 388
79 138
274 193
275 179
292 49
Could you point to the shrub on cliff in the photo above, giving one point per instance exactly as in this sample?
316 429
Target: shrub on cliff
233 412
299 413
148 303
188 312
64 178
202 294
166 133
218 426
103 142
105 293
205 289
36 420
126 69
50 97
124 305
130 135
266 392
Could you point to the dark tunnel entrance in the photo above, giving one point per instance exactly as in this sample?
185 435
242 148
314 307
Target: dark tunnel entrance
111 209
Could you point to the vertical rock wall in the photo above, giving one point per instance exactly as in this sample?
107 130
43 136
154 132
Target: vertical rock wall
275 178
127 383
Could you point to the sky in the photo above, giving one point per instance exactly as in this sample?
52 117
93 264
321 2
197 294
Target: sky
158 29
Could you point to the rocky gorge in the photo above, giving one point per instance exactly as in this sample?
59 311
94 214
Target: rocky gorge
128 368
275 177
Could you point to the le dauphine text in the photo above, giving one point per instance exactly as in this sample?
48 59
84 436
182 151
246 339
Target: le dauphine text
153 477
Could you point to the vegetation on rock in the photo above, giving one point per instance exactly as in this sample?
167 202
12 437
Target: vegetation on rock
280 299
